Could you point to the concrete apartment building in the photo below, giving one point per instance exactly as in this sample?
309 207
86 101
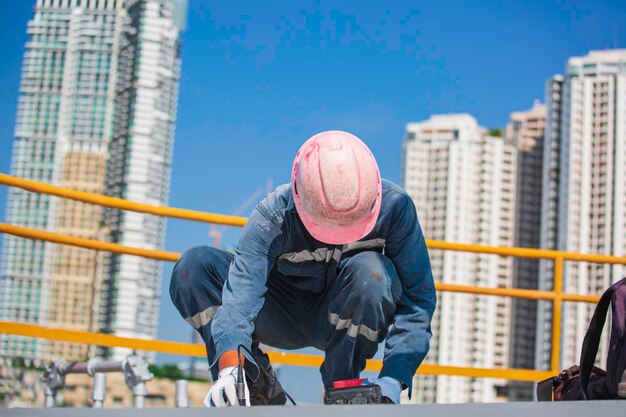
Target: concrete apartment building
526 131
463 184
584 181
96 113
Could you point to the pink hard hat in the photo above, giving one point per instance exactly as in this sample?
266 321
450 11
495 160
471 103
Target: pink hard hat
336 187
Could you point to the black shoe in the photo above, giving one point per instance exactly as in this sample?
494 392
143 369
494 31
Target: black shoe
265 390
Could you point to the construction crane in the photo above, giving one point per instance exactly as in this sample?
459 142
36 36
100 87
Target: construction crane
216 231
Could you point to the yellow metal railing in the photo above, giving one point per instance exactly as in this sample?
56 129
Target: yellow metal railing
296 359
120 203
557 296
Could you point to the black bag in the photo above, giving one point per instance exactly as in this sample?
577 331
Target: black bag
588 382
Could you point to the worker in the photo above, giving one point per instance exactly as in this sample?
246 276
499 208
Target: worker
335 260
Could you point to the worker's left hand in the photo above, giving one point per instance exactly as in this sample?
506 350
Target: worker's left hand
389 387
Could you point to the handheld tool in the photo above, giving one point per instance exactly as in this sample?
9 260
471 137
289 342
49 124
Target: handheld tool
353 391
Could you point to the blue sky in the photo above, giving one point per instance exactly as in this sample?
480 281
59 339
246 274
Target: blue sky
259 78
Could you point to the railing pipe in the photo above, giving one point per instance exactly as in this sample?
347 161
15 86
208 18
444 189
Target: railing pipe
173 256
73 368
135 371
105 366
29 233
86 243
93 367
101 339
119 203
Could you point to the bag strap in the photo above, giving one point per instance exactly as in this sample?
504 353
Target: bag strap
591 342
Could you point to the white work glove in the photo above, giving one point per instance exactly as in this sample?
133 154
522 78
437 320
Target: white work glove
226 386
389 387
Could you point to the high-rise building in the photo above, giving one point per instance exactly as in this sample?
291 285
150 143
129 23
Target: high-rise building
585 186
550 202
96 113
462 181
139 166
526 131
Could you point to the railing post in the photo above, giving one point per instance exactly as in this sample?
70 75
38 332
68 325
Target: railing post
139 395
557 308
181 400
50 396
99 391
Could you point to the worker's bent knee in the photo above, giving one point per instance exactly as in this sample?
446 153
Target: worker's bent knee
195 268
372 277
366 298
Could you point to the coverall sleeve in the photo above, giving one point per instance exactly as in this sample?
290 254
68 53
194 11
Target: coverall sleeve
409 336
243 295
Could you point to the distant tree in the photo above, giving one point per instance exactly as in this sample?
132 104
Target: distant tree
172 372
167 372
21 363
495 132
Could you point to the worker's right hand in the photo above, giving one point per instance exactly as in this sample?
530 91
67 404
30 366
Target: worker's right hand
223 393
389 388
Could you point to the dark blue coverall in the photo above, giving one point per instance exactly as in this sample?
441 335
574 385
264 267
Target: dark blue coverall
285 289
